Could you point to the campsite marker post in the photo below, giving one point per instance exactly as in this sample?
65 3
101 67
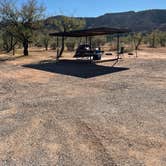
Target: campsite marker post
118 44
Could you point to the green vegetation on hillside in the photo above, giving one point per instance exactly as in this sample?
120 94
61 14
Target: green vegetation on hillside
24 26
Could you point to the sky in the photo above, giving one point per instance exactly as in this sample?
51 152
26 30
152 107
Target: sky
93 8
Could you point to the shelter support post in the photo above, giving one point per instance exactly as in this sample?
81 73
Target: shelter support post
86 38
60 51
57 53
62 46
90 42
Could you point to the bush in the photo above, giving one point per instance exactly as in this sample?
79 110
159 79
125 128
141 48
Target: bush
98 41
70 45
53 45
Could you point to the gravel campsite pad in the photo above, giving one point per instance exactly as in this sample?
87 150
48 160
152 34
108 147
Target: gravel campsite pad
78 114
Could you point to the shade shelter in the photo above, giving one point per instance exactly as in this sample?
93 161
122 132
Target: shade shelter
89 33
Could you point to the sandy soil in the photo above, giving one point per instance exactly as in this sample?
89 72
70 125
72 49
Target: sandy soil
77 113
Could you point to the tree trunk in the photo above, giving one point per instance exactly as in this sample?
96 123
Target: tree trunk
46 47
13 50
62 48
25 45
46 42
11 43
13 47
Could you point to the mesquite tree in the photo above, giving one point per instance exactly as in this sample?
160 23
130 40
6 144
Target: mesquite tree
21 21
9 41
65 24
137 39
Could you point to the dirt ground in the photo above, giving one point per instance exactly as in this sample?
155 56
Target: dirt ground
73 113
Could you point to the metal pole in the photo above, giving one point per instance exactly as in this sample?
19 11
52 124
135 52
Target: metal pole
86 39
90 42
57 54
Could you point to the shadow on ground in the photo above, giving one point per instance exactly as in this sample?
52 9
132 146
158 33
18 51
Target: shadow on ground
82 69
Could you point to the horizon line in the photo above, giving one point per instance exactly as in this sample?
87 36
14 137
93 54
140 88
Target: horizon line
114 12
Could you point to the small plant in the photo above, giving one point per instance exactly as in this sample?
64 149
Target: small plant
53 45
70 45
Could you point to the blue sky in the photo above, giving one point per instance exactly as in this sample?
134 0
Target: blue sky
93 8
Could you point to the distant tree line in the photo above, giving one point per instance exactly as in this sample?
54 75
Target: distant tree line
152 39
26 25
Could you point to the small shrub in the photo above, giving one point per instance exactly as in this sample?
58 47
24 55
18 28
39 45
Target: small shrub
70 46
53 46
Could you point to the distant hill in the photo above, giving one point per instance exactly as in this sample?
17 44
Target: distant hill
137 21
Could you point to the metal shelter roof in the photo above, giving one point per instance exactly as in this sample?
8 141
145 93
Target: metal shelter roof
91 32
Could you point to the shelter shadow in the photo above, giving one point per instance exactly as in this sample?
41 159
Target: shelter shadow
82 69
